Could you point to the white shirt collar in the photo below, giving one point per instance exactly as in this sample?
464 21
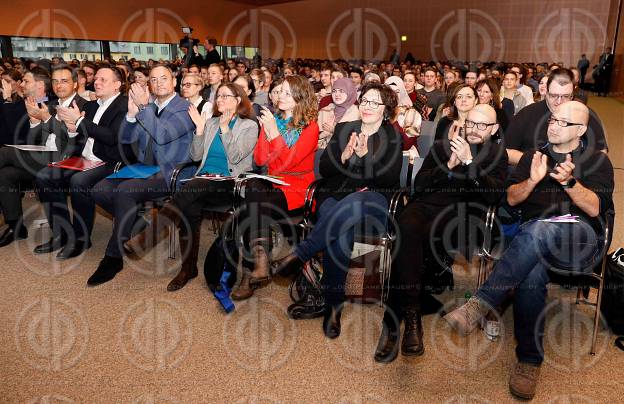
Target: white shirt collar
67 102
108 101
198 101
164 104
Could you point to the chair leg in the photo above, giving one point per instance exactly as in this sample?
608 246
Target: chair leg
172 241
597 316
579 291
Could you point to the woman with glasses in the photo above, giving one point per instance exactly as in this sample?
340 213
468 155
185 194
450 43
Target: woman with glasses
462 99
510 91
286 147
191 89
342 109
224 144
361 167
488 92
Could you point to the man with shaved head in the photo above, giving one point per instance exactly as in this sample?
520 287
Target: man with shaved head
467 170
564 177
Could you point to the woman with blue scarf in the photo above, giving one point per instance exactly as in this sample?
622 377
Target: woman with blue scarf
286 147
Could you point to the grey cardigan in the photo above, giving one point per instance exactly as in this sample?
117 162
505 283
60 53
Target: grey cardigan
239 144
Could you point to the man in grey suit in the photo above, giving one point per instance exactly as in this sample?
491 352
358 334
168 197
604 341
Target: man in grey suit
19 167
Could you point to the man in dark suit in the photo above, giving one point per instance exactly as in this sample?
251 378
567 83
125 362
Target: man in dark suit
18 167
96 133
602 72
13 115
212 56
161 133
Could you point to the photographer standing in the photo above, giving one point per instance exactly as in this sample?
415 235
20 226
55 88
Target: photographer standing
190 49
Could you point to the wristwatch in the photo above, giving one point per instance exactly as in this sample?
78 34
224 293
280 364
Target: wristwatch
142 107
570 184
469 161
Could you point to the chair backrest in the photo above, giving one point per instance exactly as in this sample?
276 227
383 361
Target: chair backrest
317 160
426 138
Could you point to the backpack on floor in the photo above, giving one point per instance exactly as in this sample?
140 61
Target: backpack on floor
306 293
220 270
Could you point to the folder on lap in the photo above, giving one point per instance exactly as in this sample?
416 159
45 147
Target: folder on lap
77 163
135 171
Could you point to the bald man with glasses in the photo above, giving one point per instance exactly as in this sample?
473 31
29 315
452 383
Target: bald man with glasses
561 178
528 128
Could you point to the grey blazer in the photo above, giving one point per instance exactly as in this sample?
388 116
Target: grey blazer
239 144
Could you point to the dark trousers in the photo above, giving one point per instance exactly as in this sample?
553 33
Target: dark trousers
334 232
17 172
121 197
53 185
198 194
538 247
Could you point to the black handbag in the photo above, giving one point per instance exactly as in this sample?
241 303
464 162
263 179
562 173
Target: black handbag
612 305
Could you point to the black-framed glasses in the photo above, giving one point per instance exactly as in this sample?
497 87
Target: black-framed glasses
563 124
370 103
225 96
479 125
560 97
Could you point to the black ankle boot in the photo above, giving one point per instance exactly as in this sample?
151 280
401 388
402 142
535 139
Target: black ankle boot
412 344
331 321
388 345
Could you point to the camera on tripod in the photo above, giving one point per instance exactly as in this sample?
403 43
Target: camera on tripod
188 42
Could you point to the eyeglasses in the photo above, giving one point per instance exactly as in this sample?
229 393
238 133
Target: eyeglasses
225 96
560 97
337 91
188 85
563 124
479 125
371 104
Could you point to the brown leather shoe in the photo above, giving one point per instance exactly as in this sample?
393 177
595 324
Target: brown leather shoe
154 233
245 290
523 380
261 273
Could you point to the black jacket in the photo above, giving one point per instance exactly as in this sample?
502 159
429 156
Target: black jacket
379 170
14 121
106 133
481 181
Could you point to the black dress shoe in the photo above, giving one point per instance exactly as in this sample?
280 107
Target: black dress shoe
55 243
72 250
331 321
412 344
388 345
287 266
106 271
10 235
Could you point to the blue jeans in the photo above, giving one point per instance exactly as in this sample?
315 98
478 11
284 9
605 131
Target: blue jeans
334 232
537 248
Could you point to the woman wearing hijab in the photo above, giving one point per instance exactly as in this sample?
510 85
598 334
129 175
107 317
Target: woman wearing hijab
342 109
407 120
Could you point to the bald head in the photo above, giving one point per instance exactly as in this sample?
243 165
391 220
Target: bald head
573 111
567 125
484 116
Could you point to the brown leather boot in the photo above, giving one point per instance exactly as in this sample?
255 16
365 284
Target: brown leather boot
154 233
245 290
188 271
261 273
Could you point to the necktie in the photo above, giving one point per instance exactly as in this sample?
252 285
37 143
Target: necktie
149 148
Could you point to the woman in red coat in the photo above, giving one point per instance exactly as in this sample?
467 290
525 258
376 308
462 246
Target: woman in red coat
286 146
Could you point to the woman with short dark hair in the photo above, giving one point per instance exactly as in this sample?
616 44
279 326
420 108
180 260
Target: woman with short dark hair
360 169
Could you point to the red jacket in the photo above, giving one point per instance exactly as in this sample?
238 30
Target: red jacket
295 165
